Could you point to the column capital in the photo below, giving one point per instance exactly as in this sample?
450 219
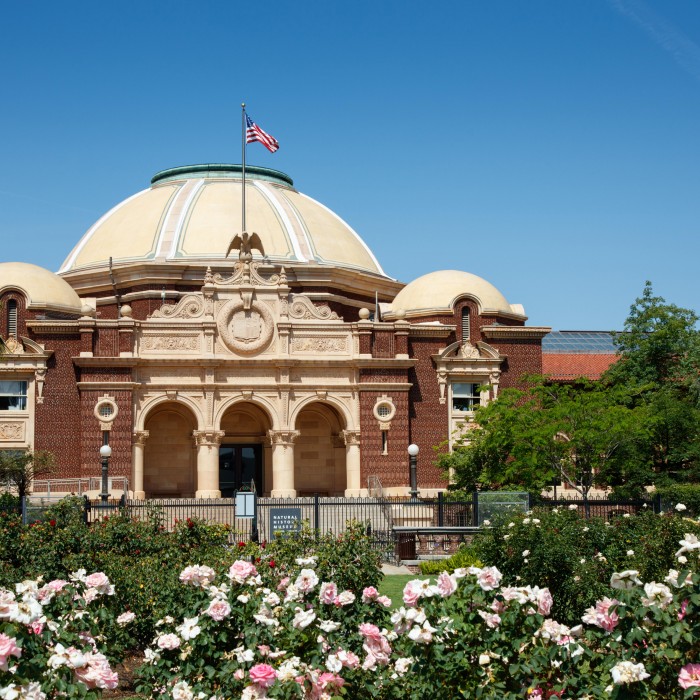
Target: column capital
208 438
350 437
140 437
283 437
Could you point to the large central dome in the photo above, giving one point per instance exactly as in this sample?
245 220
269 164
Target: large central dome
191 213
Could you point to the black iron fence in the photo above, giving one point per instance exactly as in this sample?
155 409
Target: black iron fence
390 521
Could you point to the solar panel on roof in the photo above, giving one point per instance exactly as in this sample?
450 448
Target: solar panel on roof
590 342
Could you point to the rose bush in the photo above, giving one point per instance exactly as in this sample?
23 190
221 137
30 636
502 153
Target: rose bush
53 638
575 557
465 635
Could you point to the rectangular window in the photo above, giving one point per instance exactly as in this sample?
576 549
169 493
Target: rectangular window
465 397
13 396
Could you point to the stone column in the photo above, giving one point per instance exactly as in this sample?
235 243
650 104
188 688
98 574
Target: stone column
283 463
208 442
353 482
138 448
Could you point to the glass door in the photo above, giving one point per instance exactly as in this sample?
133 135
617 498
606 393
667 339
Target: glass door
238 466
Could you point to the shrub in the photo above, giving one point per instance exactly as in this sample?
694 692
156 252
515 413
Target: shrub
575 557
685 494
466 636
463 558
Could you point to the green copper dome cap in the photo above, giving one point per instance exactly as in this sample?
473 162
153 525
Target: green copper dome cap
222 170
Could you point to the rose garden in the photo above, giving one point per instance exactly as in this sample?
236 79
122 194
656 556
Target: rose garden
545 604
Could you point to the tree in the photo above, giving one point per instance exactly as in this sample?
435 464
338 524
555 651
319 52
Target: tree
660 364
18 468
582 434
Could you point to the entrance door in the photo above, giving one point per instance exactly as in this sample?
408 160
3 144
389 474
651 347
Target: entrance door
238 466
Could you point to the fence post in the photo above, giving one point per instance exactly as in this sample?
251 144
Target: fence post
475 509
441 508
657 503
122 501
317 514
86 509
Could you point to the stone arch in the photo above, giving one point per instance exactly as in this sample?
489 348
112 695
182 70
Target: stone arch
333 402
170 461
319 450
260 402
152 404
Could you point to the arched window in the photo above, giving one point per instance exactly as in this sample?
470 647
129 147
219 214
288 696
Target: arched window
465 324
12 318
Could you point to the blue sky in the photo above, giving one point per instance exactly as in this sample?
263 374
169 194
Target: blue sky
551 147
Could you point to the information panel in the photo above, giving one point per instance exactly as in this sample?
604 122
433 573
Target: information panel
285 520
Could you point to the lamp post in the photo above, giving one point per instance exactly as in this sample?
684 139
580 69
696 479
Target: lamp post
413 469
105 454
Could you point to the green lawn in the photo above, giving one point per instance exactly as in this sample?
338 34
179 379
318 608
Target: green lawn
393 586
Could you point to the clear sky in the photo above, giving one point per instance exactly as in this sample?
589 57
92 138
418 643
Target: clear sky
549 146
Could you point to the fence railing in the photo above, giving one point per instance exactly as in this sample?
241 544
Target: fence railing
392 522
78 486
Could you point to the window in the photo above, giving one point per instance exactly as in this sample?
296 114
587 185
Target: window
13 396
12 318
465 324
465 397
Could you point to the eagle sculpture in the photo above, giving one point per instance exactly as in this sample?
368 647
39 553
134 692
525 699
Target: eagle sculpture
245 243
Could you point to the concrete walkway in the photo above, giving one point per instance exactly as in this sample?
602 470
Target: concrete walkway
390 570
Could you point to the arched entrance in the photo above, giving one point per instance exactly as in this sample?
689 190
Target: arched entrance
319 462
170 461
243 453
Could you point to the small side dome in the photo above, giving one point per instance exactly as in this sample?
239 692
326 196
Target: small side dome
43 289
437 292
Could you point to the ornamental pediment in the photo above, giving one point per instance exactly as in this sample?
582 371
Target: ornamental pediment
467 351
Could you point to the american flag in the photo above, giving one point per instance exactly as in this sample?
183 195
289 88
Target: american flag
255 133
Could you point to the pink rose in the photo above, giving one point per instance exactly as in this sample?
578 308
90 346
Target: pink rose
328 593
411 595
168 641
8 647
384 601
369 594
282 585
100 582
370 631
328 680
689 676
489 578
446 584
544 600
263 675
218 609
241 570
97 672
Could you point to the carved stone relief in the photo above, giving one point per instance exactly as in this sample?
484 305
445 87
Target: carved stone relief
245 331
190 306
303 308
170 343
12 431
320 344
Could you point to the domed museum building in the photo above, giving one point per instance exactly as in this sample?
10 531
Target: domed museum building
208 359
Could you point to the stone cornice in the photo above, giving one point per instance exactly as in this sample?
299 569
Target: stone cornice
235 361
55 327
105 384
433 330
514 332
383 386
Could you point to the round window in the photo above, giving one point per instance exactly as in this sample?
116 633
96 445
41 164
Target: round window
384 410
106 410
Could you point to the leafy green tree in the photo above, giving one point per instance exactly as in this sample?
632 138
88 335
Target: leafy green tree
582 434
18 468
660 364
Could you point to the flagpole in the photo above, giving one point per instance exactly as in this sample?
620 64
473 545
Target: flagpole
243 140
